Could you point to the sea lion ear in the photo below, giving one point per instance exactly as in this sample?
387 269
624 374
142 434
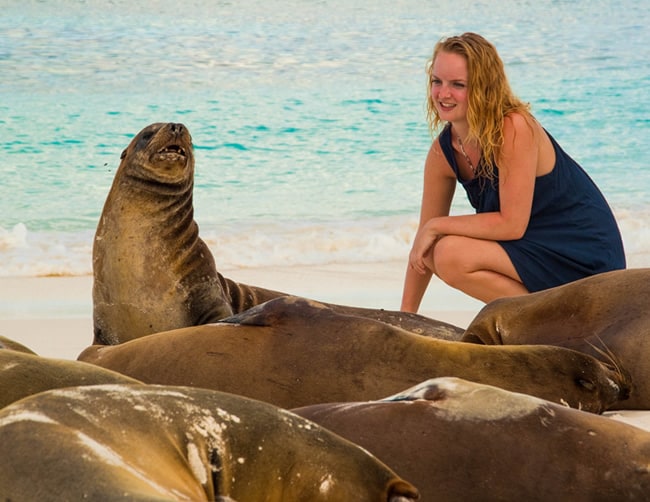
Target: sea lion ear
123 154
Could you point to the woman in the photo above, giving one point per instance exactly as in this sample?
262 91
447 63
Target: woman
540 220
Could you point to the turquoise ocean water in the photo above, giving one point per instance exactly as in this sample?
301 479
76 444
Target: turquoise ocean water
307 116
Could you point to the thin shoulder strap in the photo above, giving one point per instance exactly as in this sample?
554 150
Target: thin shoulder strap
448 149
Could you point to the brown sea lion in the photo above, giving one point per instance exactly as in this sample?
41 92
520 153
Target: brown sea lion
292 352
140 442
23 374
151 270
458 440
605 315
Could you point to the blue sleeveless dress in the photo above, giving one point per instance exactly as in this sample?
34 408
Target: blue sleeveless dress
572 232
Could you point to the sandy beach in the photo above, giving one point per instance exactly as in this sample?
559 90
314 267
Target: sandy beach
53 315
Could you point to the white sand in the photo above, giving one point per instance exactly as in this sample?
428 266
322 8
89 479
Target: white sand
53 315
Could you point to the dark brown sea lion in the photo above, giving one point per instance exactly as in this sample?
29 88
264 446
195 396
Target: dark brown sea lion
458 440
606 315
292 352
140 442
152 271
23 374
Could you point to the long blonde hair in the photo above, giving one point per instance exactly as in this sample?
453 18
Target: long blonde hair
490 97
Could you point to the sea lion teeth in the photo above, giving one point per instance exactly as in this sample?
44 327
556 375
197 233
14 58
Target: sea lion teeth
173 149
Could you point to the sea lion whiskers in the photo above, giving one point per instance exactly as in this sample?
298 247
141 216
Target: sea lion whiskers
613 362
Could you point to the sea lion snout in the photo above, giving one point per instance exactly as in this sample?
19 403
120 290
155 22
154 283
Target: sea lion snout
176 128
171 144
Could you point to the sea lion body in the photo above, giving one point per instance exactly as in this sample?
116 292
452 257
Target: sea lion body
140 442
292 352
458 440
605 315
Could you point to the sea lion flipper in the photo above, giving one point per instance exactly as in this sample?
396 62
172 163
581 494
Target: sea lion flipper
275 312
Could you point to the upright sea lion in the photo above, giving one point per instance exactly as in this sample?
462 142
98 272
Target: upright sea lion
292 352
140 442
23 374
605 315
152 271
458 440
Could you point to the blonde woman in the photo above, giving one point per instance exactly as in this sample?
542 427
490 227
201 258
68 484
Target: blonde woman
540 220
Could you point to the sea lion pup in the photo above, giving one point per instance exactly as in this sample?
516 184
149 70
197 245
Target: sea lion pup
152 272
458 440
140 442
293 352
604 315
23 374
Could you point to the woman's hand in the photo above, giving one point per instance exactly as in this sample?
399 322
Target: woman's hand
423 243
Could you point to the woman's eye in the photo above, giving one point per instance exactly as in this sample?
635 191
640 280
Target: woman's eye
459 85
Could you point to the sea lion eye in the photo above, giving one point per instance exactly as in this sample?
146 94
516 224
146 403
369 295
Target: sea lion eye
586 384
144 139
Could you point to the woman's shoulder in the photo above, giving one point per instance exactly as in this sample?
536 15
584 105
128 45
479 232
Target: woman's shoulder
517 119
522 125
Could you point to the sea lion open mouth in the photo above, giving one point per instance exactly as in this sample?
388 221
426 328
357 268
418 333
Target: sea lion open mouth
170 153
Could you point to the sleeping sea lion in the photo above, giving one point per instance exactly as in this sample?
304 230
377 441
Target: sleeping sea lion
141 442
458 440
605 315
293 352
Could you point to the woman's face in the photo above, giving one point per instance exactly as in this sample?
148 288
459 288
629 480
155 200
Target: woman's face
449 92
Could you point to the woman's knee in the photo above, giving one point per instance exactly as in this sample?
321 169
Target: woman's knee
447 258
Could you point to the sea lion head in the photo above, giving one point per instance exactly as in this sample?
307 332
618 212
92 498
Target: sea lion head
161 153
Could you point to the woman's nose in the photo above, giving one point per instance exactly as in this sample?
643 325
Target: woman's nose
445 91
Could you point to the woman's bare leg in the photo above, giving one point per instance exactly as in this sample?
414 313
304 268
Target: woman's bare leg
479 268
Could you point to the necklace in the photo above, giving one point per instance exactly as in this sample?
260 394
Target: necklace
462 150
